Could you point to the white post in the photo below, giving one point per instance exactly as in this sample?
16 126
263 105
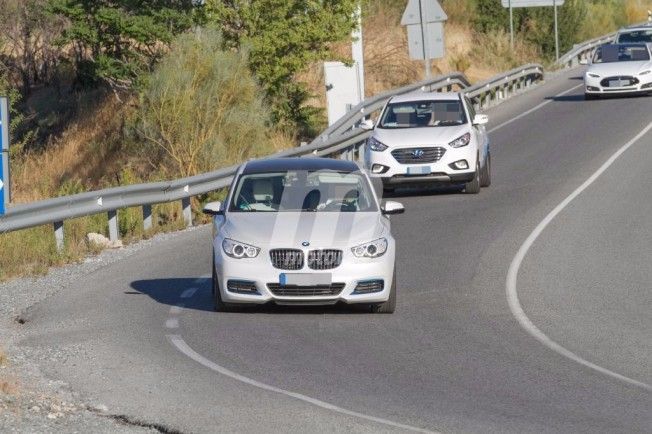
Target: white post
511 25
554 5
357 50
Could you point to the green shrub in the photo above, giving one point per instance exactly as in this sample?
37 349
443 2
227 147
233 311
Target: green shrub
201 108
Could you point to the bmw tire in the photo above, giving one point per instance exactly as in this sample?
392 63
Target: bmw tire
390 305
218 304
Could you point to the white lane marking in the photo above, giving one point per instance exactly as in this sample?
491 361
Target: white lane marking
172 323
533 109
512 274
202 279
176 310
188 293
182 346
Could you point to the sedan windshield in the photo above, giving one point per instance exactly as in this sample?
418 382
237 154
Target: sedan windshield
303 191
419 114
636 36
621 53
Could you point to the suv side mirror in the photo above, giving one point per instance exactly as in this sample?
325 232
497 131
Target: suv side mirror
213 208
367 125
391 208
480 119
584 61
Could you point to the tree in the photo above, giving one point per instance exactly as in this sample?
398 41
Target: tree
283 38
116 40
202 108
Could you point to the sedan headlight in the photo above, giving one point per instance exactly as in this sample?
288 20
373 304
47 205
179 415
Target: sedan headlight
376 145
645 72
590 74
461 141
238 250
373 249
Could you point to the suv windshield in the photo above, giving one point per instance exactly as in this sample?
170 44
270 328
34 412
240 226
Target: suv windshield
303 191
419 114
621 53
635 36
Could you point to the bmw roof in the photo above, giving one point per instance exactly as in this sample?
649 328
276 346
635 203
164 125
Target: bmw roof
309 164
426 96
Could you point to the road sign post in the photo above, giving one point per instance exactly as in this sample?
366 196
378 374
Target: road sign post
4 154
424 20
511 4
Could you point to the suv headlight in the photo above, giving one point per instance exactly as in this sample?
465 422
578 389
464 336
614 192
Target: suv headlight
376 145
461 141
373 249
238 250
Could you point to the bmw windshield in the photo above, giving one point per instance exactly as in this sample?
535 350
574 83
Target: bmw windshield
419 114
303 191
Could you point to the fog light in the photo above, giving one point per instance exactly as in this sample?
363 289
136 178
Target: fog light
592 89
647 86
460 165
242 286
369 286
379 168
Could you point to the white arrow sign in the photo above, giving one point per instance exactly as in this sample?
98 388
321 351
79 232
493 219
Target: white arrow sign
429 9
531 3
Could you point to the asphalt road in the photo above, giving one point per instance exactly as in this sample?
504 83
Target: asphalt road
453 358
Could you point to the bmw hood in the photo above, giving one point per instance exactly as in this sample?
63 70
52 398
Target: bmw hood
405 137
619 68
291 229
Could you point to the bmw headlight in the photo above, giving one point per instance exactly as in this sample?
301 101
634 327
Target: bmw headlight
461 141
373 249
238 250
376 145
590 74
645 72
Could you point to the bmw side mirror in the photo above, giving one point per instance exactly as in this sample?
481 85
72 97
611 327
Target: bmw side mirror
213 208
480 119
367 125
391 208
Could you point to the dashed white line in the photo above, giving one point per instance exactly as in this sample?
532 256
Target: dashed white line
172 323
512 274
182 346
188 293
177 309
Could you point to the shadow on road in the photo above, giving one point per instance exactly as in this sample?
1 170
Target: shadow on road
169 292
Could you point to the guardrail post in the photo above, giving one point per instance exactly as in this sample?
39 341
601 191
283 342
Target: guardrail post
187 211
58 235
147 217
113 225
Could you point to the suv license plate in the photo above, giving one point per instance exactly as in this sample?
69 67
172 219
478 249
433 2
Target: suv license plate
305 279
418 170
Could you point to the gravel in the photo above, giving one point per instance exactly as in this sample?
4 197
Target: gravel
29 401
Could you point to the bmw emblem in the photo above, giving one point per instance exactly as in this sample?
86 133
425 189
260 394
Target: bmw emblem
305 244
418 153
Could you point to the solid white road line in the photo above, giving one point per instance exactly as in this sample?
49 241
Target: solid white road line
182 346
535 108
512 274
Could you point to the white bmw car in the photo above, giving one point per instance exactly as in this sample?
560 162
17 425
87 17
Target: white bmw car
303 231
425 139
619 69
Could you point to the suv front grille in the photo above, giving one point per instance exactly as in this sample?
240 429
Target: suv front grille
306 291
287 259
419 155
324 259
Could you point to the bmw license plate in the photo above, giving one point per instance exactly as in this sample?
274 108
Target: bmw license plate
305 279
418 170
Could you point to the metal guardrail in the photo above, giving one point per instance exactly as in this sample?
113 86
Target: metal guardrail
341 140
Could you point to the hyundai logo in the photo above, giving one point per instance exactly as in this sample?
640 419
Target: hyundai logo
305 244
418 153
